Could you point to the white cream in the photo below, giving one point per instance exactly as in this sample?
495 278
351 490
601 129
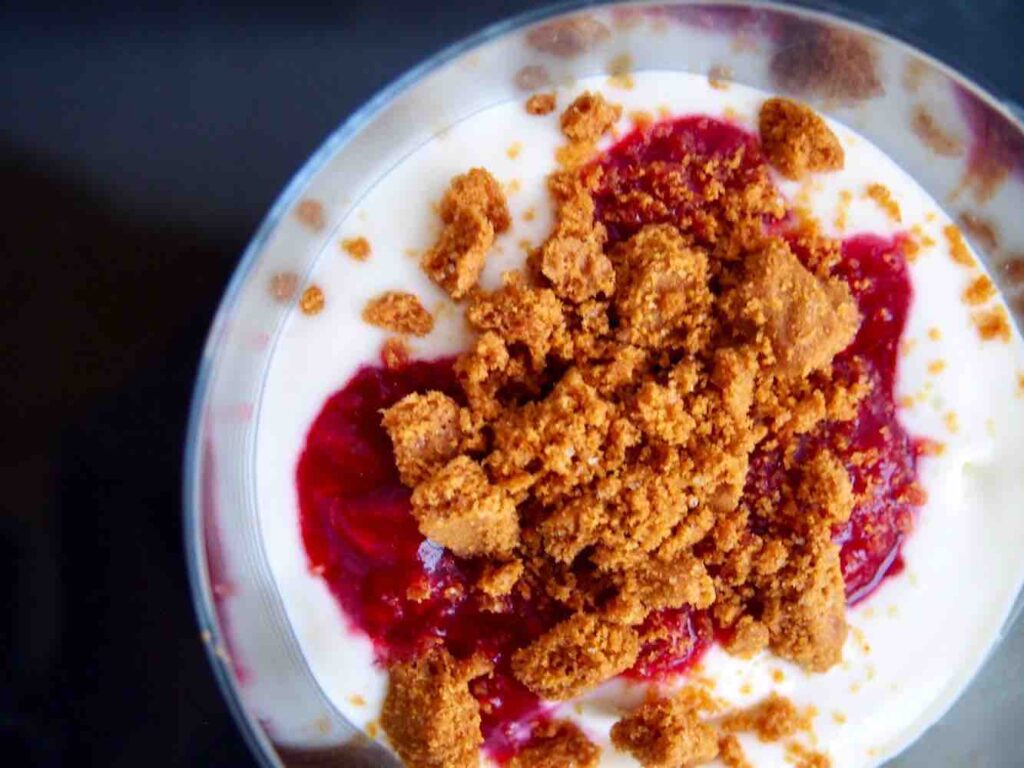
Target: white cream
928 629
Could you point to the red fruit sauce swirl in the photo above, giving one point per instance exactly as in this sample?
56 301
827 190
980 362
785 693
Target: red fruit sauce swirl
362 540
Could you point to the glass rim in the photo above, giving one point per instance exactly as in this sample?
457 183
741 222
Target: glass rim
255 737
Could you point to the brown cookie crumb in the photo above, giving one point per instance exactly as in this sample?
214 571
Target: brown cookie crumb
399 312
429 715
748 639
731 753
357 247
924 125
773 719
958 250
885 200
312 301
427 431
574 656
979 291
472 210
541 103
797 140
992 324
460 509
807 320
498 579
310 213
589 117
394 353
666 733
557 744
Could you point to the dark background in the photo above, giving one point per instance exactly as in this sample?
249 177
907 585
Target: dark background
140 146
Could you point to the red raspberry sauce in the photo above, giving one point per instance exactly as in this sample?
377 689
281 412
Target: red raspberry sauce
360 537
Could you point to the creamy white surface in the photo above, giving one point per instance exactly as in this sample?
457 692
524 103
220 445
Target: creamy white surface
927 629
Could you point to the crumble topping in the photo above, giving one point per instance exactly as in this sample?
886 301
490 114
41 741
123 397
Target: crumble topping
558 744
575 655
613 398
357 247
394 353
429 715
312 300
541 103
797 140
588 117
980 290
473 210
399 312
884 199
667 733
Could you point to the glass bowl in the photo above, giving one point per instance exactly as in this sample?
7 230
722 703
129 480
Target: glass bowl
900 98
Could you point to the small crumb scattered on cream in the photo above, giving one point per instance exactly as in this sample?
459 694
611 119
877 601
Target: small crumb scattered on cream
312 301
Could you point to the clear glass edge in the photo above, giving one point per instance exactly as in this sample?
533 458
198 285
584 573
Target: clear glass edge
255 737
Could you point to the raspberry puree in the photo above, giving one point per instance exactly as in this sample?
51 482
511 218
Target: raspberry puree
360 537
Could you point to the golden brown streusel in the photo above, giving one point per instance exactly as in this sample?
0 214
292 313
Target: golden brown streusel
731 753
885 200
398 312
429 715
472 210
558 744
666 733
312 300
541 103
980 290
796 139
589 117
427 431
574 656
773 719
958 250
992 324
357 247
459 508
394 353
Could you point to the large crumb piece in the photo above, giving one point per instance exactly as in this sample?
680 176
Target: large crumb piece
663 298
429 715
808 320
588 117
797 140
541 104
574 656
573 257
666 733
473 210
773 719
806 611
659 584
749 637
557 744
399 312
427 431
731 753
520 314
458 508
498 579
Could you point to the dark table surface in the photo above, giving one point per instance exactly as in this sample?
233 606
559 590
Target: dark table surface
140 145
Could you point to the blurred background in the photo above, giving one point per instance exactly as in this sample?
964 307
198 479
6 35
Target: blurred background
140 145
